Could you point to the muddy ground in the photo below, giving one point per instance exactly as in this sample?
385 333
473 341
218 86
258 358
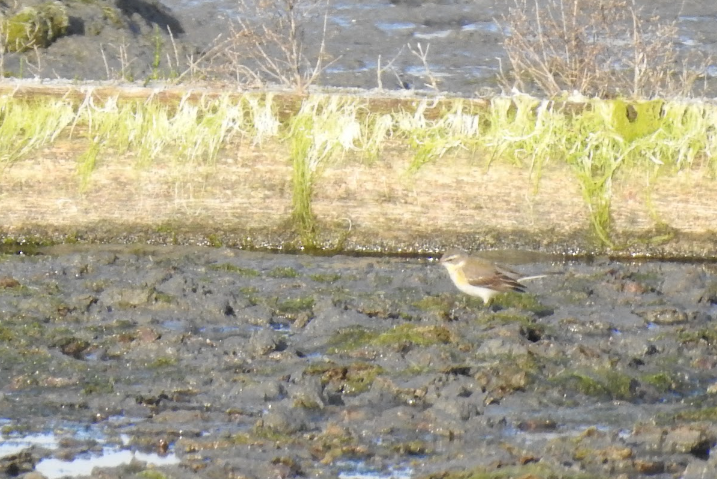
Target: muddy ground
190 41
221 363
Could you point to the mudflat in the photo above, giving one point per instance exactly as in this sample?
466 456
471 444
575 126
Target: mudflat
214 362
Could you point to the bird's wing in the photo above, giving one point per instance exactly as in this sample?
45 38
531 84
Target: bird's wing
486 275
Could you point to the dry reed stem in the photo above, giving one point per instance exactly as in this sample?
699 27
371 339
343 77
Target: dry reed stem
595 47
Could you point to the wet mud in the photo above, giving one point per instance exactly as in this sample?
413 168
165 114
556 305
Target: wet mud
181 362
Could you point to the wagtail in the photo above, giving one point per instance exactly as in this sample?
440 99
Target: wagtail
478 277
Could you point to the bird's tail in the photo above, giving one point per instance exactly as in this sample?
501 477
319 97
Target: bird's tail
538 276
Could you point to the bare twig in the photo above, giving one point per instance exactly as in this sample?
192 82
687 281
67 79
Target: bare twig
389 66
267 43
595 47
423 56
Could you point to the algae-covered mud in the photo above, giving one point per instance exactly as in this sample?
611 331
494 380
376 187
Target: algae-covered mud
188 362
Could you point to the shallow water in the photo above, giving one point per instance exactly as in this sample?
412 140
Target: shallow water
464 38
218 361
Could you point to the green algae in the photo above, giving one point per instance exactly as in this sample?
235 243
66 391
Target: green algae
708 413
232 268
350 379
523 302
599 383
441 304
663 382
325 277
414 334
162 362
6 334
152 474
283 272
413 448
351 338
98 385
506 316
406 334
534 470
163 298
705 335
294 305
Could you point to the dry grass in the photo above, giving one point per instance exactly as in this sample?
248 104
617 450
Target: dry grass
595 47
267 43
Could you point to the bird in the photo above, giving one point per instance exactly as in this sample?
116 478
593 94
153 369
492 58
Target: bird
481 278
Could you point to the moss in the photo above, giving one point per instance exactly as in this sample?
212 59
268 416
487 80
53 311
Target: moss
251 294
600 383
508 316
260 432
6 335
152 474
413 448
418 335
522 301
533 470
249 290
162 362
231 268
350 379
164 298
706 335
35 27
283 272
663 382
349 339
99 386
295 305
698 414
325 277
440 304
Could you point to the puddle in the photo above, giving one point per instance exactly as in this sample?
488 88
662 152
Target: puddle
83 464
696 18
483 27
432 35
343 22
361 470
176 325
220 329
395 26
420 71
13 445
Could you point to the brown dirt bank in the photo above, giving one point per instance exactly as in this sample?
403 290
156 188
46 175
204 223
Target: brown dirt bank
244 198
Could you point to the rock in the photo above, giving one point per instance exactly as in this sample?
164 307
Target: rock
664 316
265 341
698 469
126 297
689 439
684 283
283 420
